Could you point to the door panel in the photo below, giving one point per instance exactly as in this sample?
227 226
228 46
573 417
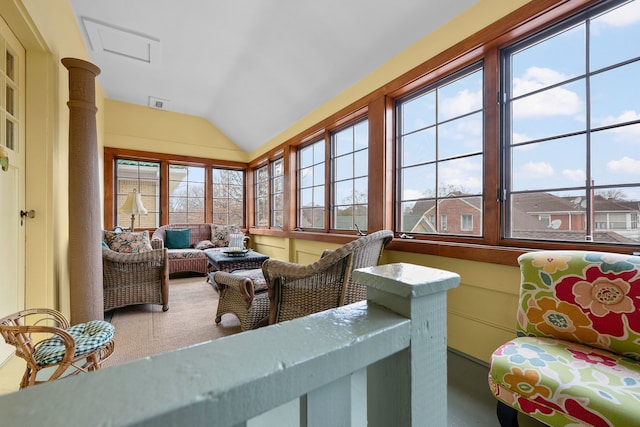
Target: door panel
12 180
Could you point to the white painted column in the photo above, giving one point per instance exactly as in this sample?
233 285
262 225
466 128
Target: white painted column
410 387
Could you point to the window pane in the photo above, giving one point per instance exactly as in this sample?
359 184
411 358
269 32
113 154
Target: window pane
228 197
550 164
261 196
418 113
418 182
555 111
277 196
349 163
310 184
615 156
549 62
611 33
419 147
460 176
460 97
611 100
144 177
344 167
186 194
461 136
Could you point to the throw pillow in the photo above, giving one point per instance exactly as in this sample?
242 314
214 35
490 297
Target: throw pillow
127 242
220 234
178 238
204 244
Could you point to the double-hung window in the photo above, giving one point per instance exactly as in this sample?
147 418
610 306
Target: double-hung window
277 193
440 156
311 185
571 130
350 166
261 196
144 177
186 194
228 196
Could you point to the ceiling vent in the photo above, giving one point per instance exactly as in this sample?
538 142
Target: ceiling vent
125 43
158 103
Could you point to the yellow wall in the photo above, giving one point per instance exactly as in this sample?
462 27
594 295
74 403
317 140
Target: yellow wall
144 128
480 311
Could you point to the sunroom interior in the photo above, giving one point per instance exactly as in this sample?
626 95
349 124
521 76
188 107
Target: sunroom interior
508 129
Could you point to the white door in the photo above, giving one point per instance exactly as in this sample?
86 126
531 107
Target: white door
12 177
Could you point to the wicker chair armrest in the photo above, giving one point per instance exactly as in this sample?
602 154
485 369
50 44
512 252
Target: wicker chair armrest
44 314
325 253
159 234
274 268
238 282
51 331
157 243
156 255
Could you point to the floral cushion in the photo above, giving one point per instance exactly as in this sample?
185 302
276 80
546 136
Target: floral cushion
204 244
220 234
127 242
576 360
186 254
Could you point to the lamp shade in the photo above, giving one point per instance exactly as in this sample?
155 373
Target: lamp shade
133 205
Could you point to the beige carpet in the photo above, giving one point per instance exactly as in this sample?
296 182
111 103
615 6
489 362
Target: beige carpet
145 330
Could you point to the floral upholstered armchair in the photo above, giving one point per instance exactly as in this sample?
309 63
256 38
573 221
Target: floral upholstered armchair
576 358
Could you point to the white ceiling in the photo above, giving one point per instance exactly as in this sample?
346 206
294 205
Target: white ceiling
251 67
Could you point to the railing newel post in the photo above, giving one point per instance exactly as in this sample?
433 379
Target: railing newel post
409 388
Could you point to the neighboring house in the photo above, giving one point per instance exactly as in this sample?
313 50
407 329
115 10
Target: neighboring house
545 216
456 214
536 216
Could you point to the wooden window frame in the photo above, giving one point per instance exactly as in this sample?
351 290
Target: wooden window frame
112 154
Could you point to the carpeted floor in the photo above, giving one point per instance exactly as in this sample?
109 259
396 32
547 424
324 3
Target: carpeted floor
145 330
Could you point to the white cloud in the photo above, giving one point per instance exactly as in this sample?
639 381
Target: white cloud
411 194
462 174
622 16
627 133
536 170
462 103
552 102
578 175
521 137
626 165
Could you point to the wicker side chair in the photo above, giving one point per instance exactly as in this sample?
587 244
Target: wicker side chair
141 278
298 290
43 338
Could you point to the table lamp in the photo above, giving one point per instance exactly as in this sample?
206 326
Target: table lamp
133 205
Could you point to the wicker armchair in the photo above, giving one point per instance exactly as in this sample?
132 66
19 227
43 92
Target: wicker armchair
43 338
141 278
298 290
243 293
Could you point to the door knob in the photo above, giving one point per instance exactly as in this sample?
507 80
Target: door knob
29 214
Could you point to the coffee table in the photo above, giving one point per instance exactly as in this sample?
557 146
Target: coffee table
220 261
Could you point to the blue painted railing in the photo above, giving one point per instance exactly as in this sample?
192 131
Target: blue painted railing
398 335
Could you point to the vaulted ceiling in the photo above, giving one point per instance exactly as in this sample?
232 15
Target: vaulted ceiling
251 67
